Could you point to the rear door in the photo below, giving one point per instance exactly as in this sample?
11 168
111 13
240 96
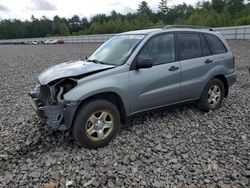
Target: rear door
196 61
219 50
160 84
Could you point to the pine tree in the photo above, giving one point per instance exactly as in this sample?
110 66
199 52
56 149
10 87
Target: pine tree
144 8
163 8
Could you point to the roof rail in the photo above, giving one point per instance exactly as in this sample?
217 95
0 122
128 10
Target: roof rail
187 26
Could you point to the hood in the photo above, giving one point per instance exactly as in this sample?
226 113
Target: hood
68 69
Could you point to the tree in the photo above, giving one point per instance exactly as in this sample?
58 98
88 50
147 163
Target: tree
57 19
143 8
218 5
163 8
243 20
179 12
206 5
99 18
74 24
84 23
142 21
63 29
234 6
214 14
212 18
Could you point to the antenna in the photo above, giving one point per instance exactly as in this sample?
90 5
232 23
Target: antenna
81 55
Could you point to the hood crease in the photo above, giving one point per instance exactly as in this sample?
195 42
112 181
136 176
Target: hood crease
70 68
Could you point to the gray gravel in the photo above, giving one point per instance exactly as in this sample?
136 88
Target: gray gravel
178 147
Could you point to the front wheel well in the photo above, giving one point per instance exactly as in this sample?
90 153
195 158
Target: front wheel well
224 81
109 96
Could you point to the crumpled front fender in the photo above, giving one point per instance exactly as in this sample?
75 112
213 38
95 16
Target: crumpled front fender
57 116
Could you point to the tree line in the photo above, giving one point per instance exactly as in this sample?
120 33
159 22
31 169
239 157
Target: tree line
213 13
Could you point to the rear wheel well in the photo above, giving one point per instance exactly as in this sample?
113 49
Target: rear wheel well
109 96
224 81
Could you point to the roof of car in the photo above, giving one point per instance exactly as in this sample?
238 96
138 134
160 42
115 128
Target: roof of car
141 32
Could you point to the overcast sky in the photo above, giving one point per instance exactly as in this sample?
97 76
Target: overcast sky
23 9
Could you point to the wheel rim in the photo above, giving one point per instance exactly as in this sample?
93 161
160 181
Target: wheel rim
214 95
99 125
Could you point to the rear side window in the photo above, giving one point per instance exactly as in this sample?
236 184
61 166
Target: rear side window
216 44
189 45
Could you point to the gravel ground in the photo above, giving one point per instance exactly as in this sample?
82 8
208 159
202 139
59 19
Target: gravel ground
178 147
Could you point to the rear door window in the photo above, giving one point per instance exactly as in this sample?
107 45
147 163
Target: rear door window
205 47
189 45
216 45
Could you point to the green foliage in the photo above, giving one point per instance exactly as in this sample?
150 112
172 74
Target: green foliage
219 13
218 5
178 13
234 6
63 29
213 13
74 23
213 20
243 20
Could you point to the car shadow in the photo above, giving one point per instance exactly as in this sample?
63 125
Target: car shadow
140 118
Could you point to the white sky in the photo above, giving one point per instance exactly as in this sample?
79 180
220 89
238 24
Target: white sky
23 9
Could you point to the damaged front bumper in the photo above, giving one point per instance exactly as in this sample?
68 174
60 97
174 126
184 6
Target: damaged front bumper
57 116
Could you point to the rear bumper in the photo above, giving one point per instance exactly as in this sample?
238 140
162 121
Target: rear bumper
57 116
231 79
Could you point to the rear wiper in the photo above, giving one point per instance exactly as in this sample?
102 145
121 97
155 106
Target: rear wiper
95 61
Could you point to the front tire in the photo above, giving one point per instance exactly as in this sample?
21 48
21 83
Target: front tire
212 96
96 124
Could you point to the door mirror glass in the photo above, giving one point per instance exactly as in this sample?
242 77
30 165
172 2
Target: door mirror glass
144 63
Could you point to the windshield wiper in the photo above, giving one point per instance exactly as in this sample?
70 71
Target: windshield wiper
95 61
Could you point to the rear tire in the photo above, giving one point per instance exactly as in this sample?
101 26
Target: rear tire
212 95
96 124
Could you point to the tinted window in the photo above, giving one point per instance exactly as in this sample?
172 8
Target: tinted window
216 44
204 45
189 45
160 49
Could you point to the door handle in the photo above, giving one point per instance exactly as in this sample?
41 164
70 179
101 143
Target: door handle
208 61
173 68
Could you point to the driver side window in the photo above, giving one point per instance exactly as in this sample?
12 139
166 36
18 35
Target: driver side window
160 49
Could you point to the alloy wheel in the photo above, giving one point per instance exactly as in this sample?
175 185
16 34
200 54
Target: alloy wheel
214 95
99 125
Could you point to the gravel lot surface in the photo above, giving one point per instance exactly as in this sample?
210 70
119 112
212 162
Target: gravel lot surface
178 147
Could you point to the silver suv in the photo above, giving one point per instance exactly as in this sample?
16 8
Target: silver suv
134 72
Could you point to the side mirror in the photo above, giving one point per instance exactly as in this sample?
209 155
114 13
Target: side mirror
144 63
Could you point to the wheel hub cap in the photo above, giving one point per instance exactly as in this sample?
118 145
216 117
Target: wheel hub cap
214 95
99 125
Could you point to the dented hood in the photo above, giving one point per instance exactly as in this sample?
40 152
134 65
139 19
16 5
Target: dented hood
68 69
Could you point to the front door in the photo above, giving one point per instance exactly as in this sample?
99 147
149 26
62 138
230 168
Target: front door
159 85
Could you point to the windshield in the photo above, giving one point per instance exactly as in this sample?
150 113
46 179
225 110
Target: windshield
116 50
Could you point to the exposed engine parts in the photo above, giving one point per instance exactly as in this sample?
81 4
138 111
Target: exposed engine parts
49 103
53 92
59 96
